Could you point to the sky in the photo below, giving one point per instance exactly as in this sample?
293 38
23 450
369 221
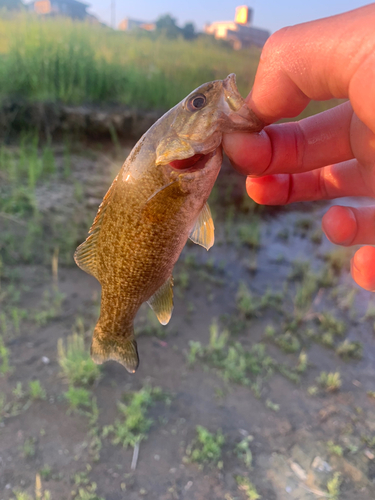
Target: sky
268 14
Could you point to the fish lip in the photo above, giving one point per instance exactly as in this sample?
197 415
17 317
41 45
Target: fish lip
240 114
231 93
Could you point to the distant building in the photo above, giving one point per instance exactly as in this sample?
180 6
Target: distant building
128 24
239 32
68 8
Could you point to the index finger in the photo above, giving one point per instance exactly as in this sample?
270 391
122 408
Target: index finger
331 57
293 147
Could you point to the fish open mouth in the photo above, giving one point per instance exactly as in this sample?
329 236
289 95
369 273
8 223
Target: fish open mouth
193 163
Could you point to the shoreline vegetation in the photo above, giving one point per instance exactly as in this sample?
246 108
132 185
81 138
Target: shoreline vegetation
77 63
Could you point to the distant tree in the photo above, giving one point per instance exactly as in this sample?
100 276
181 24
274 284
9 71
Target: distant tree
11 4
188 31
167 26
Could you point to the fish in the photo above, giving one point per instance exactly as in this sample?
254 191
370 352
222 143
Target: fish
156 202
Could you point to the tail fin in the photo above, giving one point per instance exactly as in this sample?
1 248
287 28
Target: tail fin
122 348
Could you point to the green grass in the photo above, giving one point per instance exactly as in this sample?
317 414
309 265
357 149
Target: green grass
333 486
134 424
22 171
288 342
78 398
349 349
232 362
75 361
50 306
58 59
335 449
4 358
249 234
243 451
36 391
245 485
75 62
329 381
28 448
206 448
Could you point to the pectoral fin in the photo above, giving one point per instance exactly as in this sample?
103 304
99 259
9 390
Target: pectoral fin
162 302
203 232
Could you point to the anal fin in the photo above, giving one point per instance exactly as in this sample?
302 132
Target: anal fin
203 232
162 302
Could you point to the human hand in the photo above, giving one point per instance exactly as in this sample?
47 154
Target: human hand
326 156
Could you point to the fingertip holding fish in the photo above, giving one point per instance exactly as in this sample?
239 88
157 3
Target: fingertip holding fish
142 226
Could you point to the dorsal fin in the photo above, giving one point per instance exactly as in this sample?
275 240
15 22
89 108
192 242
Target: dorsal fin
85 255
162 302
203 232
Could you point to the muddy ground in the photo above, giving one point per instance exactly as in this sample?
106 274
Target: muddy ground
301 438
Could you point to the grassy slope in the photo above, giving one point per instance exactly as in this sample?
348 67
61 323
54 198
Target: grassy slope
75 62
58 59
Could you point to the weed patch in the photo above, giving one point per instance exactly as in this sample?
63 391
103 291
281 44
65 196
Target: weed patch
75 361
134 425
206 448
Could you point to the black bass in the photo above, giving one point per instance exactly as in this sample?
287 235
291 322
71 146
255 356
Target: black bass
157 201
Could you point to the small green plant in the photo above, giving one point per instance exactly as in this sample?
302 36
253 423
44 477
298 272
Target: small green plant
243 451
245 485
312 390
85 490
249 234
78 398
4 358
330 324
28 448
303 361
18 391
370 312
349 349
316 236
50 306
305 292
36 391
22 495
45 472
231 361
246 302
134 425
333 486
196 351
339 259
288 342
270 331
335 449
75 361
329 381
272 406
206 448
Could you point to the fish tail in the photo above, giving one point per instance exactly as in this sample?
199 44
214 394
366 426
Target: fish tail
121 348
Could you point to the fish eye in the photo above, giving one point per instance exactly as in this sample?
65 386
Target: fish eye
196 102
